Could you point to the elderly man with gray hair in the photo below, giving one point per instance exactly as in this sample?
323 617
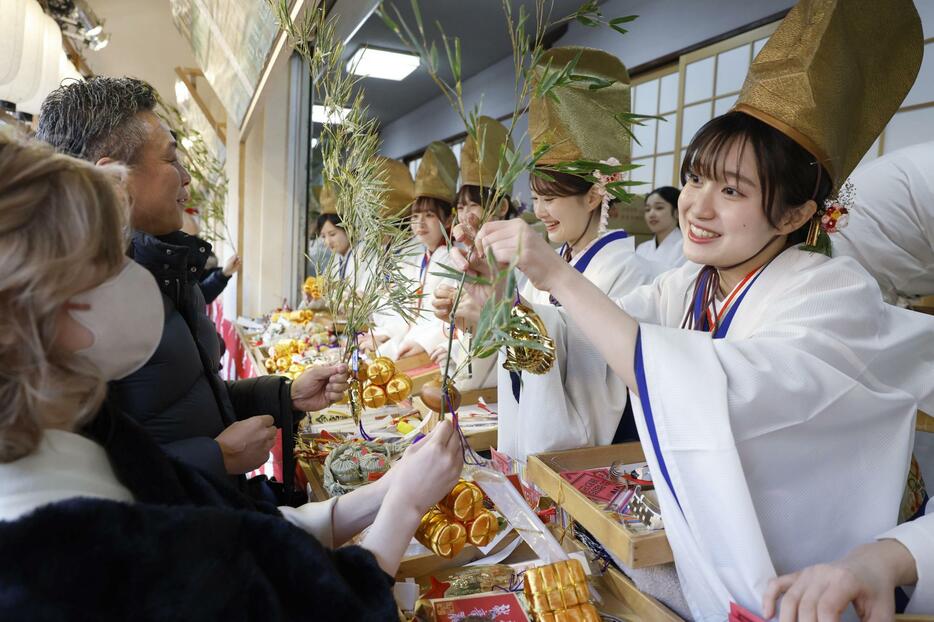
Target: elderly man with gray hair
225 429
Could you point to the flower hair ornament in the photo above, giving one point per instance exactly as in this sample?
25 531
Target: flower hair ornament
602 181
831 217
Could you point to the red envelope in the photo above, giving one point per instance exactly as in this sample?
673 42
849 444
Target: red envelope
498 606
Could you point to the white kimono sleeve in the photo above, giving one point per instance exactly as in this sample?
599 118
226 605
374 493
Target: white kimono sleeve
918 537
762 441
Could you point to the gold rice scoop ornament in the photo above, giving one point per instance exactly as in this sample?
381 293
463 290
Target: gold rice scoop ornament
530 328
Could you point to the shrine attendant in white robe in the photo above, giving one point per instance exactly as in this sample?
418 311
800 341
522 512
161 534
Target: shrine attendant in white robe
795 392
346 264
579 402
891 229
891 233
665 250
432 213
479 168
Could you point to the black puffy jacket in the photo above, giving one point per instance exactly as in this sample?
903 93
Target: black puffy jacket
178 396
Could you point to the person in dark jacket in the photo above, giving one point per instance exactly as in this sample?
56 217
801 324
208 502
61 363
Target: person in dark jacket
178 397
96 522
215 279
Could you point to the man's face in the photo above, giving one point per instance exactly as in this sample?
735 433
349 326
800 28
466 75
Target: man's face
158 183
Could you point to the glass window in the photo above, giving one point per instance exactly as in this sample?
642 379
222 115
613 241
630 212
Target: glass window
731 69
698 80
646 98
668 96
664 170
666 133
644 143
923 89
645 174
723 104
909 128
692 119
758 45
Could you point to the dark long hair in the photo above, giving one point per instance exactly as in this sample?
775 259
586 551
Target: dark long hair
670 195
470 193
334 219
789 175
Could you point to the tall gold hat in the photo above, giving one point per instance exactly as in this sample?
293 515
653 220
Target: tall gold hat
400 189
579 122
833 74
328 199
437 173
482 172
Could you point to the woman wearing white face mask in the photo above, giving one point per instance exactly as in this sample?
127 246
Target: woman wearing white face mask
74 471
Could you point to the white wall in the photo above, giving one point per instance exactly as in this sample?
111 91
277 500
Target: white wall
663 27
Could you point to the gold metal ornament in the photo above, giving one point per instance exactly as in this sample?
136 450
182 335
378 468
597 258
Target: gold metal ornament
381 370
398 388
533 360
374 396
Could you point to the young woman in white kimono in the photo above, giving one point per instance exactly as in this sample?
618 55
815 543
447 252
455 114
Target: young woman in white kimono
478 172
890 233
432 211
578 402
665 250
779 425
345 264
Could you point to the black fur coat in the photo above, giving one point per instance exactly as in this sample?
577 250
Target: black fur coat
190 548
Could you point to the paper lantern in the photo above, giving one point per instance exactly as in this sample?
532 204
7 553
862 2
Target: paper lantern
50 68
12 29
30 41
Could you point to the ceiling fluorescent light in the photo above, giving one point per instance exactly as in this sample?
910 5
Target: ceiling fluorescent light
336 117
374 63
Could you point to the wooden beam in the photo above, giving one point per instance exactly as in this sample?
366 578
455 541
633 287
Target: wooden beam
186 75
275 52
76 58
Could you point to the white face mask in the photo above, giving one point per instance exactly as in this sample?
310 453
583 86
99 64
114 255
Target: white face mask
125 317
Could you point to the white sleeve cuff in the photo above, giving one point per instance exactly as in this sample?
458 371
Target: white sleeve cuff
918 537
314 518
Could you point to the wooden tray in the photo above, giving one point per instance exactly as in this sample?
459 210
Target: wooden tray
636 550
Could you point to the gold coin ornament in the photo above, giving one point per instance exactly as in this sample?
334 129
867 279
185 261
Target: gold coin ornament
398 388
457 519
381 370
464 502
362 375
530 329
483 529
374 396
440 534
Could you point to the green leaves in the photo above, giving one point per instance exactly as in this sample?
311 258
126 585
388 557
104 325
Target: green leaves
615 23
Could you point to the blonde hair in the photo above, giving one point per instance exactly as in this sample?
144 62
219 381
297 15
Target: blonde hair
61 233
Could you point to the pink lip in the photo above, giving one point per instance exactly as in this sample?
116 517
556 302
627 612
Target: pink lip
551 226
698 240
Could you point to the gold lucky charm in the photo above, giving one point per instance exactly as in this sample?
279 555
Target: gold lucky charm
381 370
464 502
559 592
398 388
442 535
374 396
531 329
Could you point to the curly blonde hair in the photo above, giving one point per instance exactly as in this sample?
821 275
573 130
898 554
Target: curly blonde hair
61 233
